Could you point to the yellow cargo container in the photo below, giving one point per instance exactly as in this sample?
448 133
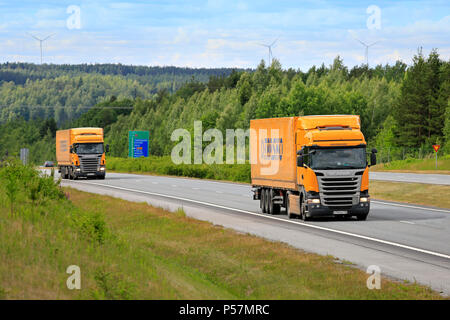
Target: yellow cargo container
80 152
313 166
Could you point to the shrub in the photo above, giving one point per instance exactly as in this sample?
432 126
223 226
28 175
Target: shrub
91 226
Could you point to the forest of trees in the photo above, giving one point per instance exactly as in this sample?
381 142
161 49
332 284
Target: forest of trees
64 92
402 108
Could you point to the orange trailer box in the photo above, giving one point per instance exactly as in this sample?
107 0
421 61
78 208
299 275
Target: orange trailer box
275 154
63 147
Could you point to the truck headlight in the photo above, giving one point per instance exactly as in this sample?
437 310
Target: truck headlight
313 201
364 199
102 168
78 169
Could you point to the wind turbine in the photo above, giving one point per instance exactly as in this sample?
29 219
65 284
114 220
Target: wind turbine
269 46
41 40
367 46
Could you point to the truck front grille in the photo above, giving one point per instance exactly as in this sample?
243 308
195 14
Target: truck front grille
339 192
89 164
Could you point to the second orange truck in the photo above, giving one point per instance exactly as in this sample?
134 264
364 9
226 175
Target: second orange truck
80 152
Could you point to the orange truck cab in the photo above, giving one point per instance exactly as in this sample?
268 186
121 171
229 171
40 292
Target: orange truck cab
80 152
313 166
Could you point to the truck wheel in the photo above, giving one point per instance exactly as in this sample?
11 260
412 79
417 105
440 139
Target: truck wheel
303 210
266 201
270 201
70 174
263 201
273 208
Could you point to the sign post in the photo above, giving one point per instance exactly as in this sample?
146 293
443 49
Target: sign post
24 152
436 148
138 144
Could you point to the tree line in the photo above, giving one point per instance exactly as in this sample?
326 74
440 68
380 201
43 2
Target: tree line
64 92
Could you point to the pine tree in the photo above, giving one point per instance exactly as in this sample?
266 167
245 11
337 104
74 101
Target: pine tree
412 112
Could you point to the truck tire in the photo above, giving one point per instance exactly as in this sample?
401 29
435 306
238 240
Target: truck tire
263 200
70 173
303 215
270 201
266 200
273 208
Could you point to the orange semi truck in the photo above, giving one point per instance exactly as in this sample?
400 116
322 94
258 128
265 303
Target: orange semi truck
313 166
80 153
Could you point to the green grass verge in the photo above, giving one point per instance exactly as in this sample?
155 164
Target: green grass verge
131 250
416 165
165 166
414 193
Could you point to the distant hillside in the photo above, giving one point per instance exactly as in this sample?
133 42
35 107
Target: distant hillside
19 73
64 92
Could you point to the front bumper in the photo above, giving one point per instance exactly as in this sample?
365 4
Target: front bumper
99 173
319 210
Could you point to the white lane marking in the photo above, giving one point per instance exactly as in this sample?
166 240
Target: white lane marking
408 222
219 191
154 182
410 206
279 219
249 186
195 188
174 185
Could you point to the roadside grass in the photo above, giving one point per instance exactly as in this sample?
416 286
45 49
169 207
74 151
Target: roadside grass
128 250
199 260
165 166
416 165
414 193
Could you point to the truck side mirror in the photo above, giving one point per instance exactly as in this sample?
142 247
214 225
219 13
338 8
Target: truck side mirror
373 157
300 161
71 149
107 148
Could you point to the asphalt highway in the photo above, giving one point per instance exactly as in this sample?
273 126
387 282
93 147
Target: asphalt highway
406 241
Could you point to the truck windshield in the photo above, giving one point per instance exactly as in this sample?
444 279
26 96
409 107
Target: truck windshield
88 148
338 158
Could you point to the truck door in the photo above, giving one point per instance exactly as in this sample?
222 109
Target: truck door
300 170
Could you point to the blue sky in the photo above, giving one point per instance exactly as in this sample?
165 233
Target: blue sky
219 33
